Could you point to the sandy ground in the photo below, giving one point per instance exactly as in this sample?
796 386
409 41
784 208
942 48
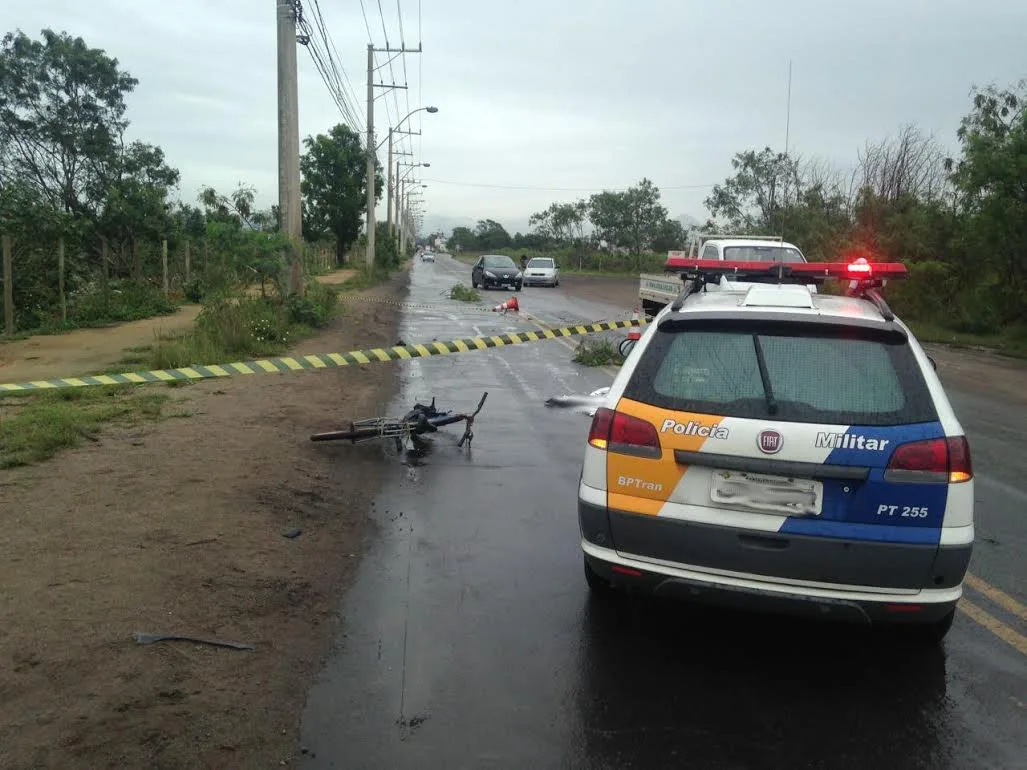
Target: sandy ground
968 370
90 351
177 528
85 351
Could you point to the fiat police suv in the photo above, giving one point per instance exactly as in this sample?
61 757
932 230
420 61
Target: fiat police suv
772 447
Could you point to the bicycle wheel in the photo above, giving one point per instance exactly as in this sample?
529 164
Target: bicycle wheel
361 434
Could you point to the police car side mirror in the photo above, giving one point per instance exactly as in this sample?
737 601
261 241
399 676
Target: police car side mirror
933 363
626 346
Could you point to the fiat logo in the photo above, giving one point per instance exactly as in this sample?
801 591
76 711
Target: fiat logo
769 441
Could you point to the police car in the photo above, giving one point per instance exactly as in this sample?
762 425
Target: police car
775 448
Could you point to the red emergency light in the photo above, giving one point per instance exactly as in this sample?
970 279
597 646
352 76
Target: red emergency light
860 269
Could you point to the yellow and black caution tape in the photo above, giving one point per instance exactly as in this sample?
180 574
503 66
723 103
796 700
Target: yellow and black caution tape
320 361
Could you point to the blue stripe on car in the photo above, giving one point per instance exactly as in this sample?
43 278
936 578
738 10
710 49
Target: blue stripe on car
876 509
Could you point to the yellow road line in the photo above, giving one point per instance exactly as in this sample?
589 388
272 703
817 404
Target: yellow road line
998 596
993 624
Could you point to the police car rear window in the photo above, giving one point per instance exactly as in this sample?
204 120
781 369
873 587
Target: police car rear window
788 372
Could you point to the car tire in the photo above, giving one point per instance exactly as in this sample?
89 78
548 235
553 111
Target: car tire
474 283
597 584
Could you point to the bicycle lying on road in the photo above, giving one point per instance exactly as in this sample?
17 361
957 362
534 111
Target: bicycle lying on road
418 421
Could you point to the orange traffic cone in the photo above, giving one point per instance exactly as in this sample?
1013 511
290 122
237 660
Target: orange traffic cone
510 304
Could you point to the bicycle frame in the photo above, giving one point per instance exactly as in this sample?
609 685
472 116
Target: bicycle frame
418 421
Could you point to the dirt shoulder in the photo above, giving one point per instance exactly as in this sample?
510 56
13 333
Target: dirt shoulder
86 351
47 356
178 528
972 371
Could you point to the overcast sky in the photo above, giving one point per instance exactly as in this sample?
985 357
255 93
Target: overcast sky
578 94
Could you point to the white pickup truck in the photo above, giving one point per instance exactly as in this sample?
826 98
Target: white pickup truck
655 290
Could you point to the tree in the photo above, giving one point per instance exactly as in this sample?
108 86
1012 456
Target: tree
751 199
991 180
334 187
491 235
670 236
632 218
136 204
561 222
62 107
235 209
462 239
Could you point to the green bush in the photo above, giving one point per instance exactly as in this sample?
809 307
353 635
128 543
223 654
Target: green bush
463 293
315 308
597 352
125 301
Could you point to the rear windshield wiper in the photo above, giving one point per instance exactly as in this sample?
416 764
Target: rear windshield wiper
768 389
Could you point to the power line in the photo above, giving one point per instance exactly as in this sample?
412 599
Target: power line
564 189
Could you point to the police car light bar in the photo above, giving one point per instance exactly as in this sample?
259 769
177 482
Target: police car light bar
860 269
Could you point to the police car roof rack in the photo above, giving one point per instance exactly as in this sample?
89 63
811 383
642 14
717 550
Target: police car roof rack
865 278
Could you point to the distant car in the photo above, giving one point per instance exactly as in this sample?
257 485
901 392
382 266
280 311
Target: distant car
496 271
541 271
428 256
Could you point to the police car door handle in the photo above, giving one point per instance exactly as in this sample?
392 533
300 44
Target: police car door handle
771 467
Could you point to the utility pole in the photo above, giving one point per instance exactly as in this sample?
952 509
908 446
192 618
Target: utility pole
289 138
372 159
388 189
370 155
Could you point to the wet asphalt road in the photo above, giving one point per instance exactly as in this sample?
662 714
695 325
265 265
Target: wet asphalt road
470 640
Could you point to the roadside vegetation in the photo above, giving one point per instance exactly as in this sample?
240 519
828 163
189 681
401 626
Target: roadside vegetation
464 293
102 238
597 352
34 427
958 220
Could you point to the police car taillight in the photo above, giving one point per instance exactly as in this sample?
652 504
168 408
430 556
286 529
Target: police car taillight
619 432
937 459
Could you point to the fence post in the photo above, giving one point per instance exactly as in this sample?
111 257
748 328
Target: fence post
105 275
60 280
8 286
187 260
164 264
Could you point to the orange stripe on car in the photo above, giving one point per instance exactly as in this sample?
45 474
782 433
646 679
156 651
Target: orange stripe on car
643 484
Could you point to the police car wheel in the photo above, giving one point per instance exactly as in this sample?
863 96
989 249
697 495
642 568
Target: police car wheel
596 583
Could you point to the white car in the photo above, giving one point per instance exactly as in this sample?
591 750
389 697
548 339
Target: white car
772 448
541 271
428 256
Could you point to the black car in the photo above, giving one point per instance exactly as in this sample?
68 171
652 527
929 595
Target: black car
496 271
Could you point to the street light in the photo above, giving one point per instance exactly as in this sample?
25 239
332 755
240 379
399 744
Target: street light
372 156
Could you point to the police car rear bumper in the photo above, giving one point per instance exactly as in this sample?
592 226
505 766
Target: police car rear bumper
746 569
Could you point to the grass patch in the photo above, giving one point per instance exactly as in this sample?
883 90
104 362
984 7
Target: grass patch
240 328
1010 342
368 278
464 294
35 427
597 352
